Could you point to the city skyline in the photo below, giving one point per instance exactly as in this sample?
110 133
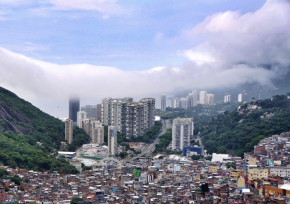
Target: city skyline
122 47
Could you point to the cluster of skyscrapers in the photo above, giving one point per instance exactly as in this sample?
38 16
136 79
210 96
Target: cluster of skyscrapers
191 100
130 118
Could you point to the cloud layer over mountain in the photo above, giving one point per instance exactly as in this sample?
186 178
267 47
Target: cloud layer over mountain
231 49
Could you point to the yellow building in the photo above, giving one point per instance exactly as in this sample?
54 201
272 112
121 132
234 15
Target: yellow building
213 169
252 161
235 174
257 173
241 183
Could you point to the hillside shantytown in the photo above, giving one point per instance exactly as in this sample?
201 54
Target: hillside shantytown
261 177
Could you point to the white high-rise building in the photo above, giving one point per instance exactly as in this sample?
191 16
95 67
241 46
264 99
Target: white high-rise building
81 115
240 97
183 103
98 132
69 130
112 140
182 129
175 103
194 98
203 97
227 98
91 110
130 118
163 102
210 99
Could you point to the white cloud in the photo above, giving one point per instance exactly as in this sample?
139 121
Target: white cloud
35 47
102 6
255 38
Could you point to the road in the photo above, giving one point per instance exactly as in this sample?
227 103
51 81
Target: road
151 147
200 143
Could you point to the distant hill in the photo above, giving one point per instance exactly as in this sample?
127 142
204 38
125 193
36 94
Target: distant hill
22 125
239 130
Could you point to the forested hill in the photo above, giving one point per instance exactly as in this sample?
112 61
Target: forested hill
22 125
238 131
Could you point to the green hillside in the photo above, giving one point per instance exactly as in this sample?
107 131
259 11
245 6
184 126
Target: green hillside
22 125
238 131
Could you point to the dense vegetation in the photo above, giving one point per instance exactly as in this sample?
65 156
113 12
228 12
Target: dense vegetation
30 138
238 131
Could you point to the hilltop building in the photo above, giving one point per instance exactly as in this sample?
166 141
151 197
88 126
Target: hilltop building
69 130
182 129
240 97
175 103
227 98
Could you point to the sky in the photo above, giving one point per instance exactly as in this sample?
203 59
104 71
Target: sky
51 49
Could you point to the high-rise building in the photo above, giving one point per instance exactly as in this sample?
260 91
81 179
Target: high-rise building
203 97
130 118
227 98
182 129
112 140
183 103
240 97
175 103
74 107
194 98
99 112
91 110
81 115
163 102
69 130
98 132
210 99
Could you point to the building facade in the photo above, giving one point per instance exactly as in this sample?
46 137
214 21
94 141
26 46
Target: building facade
74 107
81 115
182 129
112 140
194 98
163 102
99 112
184 103
240 97
227 98
203 97
210 99
98 132
175 103
130 118
69 130
91 110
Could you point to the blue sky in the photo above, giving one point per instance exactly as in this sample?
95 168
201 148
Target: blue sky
50 49
144 34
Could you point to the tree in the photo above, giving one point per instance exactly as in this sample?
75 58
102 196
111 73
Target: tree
204 187
75 200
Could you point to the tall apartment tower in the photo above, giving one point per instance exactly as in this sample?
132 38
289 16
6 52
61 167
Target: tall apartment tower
69 130
149 112
227 98
210 99
194 98
74 107
203 97
240 97
81 115
91 110
98 132
112 140
163 102
184 103
99 112
175 103
182 129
